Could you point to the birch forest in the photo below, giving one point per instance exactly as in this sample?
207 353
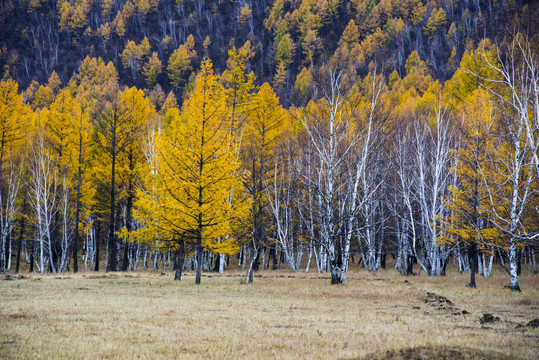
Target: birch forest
308 135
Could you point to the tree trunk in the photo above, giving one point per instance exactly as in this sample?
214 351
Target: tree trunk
77 210
410 265
112 250
519 261
199 255
129 209
479 264
444 265
179 263
534 264
97 248
273 256
125 262
490 261
256 263
10 247
5 253
310 256
252 259
243 256
222 263
19 245
513 266
472 256
32 258
337 275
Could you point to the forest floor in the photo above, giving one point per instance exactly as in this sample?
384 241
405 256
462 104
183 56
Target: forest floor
281 315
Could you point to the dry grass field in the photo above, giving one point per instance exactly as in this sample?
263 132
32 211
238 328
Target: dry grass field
147 315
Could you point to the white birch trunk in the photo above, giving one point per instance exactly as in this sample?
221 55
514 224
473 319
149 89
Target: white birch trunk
42 196
222 263
518 94
10 208
513 265
534 264
333 149
310 256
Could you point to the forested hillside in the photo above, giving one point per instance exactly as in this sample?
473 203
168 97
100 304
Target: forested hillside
162 41
311 133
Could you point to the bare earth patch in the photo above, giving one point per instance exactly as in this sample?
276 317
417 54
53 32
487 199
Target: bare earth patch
282 315
440 353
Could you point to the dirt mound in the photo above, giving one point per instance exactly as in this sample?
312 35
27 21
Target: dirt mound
488 319
532 324
442 303
439 302
437 352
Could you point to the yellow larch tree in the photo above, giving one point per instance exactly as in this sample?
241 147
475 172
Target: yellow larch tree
152 69
266 120
180 62
467 221
93 85
118 129
238 84
131 58
473 72
58 127
131 167
68 132
198 195
14 120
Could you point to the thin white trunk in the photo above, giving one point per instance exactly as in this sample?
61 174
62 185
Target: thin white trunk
244 257
222 263
513 265
252 258
42 198
9 248
9 208
534 264
480 263
490 262
137 258
310 256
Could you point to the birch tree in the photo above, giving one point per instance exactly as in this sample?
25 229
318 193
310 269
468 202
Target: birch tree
405 198
279 193
335 131
511 188
42 197
327 125
516 85
365 177
433 145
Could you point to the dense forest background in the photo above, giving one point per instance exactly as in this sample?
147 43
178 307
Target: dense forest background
296 132
144 38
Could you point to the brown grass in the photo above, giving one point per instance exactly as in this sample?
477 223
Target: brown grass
282 315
